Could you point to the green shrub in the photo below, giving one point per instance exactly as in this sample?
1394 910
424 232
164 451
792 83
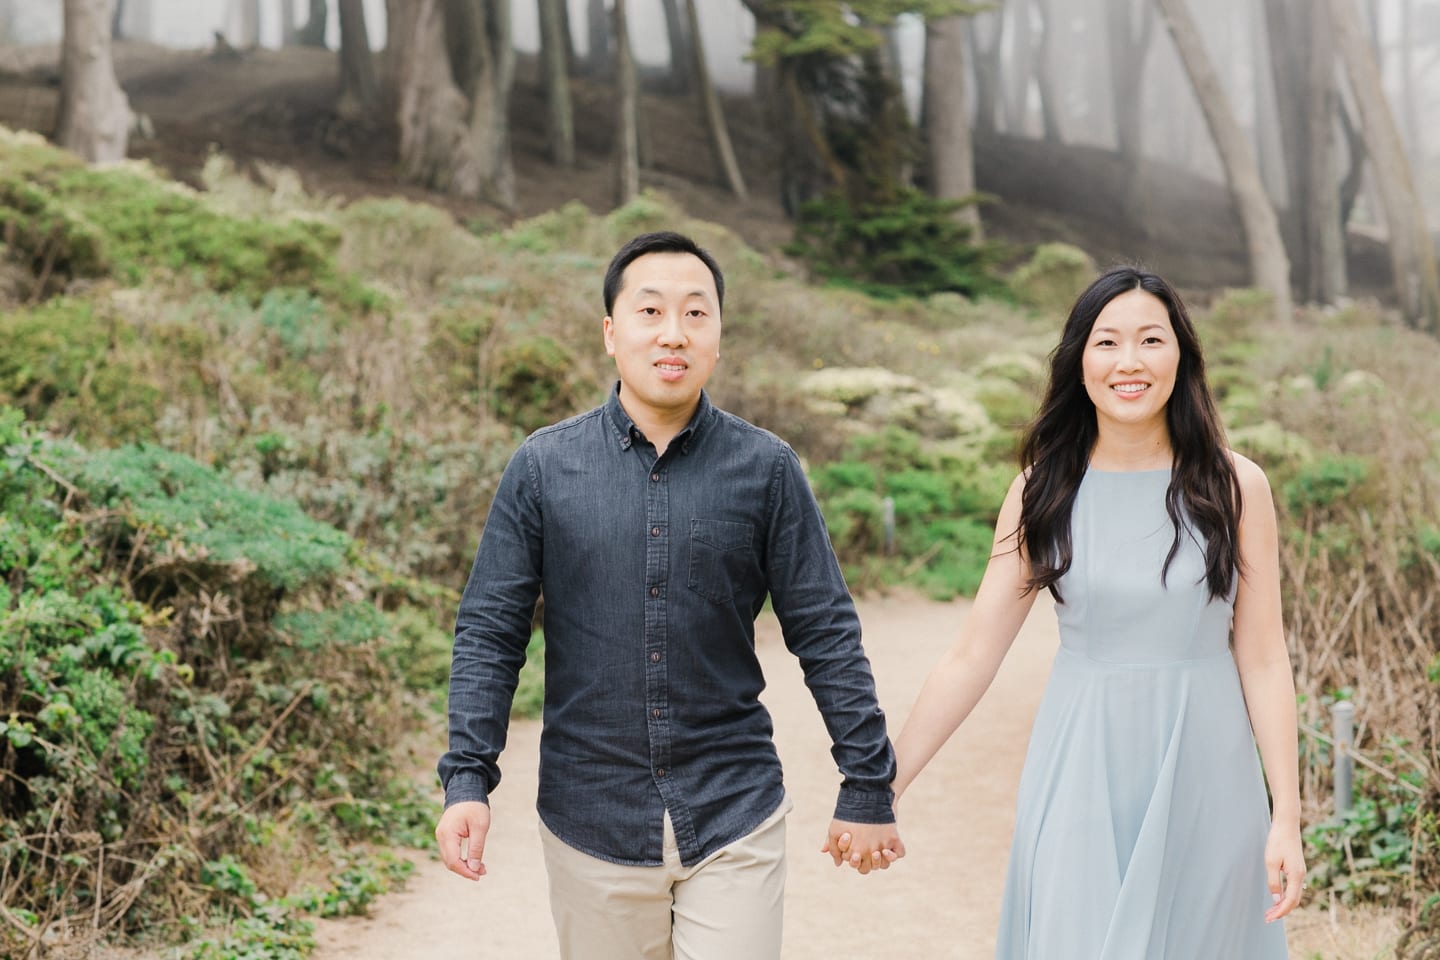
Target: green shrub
534 383
63 362
1053 277
1327 481
206 520
911 247
148 731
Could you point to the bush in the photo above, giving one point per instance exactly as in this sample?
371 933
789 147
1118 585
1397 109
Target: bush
158 714
913 246
1054 276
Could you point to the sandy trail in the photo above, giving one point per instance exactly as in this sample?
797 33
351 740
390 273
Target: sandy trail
941 901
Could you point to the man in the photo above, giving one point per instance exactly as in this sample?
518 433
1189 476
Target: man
655 526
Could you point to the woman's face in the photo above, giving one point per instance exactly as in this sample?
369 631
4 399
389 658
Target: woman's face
1131 359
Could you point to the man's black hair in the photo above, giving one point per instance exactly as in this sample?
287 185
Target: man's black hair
664 241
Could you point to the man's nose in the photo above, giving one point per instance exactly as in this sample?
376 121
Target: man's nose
672 330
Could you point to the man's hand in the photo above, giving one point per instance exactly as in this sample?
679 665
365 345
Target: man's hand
864 846
461 835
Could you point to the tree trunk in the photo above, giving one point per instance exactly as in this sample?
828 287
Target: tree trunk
247 24
1022 58
358 89
313 33
454 140
947 124
1412 256
289 33
94 119
600 58
627 134
1302 62
1129 47
1045 74
682 59
986 53
1326 279
555 60
1269 267
720 145
1409 84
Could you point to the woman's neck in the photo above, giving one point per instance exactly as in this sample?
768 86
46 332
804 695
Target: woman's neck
1121 447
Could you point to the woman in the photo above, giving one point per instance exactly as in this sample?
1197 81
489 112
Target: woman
1142 830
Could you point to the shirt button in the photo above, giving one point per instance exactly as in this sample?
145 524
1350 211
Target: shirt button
655 657
660 772
654 531
655 713
654 478
654 591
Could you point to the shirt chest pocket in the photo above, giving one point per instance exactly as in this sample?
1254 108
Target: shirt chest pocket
722 558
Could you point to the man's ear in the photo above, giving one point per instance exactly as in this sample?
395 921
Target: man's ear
608 328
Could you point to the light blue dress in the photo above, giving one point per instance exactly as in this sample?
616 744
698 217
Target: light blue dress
1142 815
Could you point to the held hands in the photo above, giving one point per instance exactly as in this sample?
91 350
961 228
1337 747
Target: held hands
461 835
863 846
1284 854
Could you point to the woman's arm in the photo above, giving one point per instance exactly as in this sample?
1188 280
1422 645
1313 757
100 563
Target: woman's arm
1265 676
965 671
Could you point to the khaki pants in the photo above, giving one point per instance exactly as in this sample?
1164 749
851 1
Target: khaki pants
729 905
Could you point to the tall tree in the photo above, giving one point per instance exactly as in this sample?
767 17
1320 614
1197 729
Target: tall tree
627 104
1302 63
454 66
1410 86
1412 255
313 33
600 55
985 37
677 33
359 93
720 145
1269 266
94 119
947 121
245 14
1045 72
1016 93
1128 30
555 59
289 32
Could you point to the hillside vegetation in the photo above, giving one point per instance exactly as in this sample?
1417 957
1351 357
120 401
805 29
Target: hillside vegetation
250 436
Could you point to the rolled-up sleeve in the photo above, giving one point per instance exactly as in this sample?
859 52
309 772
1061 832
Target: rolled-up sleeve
492 629
822 629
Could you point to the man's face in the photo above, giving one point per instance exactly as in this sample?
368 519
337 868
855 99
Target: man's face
664 333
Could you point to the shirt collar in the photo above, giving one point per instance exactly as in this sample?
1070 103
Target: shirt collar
627 433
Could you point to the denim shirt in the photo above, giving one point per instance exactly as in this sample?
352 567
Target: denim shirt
653 572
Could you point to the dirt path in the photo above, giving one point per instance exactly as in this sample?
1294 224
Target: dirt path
940 902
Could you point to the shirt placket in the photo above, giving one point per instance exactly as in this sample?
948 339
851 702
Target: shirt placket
657 653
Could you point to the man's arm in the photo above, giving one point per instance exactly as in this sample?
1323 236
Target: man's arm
492 629
817 616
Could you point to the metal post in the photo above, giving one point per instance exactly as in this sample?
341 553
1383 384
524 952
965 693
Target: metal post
887 517
1343 715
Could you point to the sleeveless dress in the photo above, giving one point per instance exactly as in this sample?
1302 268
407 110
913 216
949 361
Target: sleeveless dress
1142 815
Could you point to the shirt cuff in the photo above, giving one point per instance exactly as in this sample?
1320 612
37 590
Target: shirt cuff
465 787
865 806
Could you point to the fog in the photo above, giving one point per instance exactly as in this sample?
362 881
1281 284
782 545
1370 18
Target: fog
1076 46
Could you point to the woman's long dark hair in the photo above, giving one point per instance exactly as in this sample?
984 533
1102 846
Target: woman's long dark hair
1204 491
